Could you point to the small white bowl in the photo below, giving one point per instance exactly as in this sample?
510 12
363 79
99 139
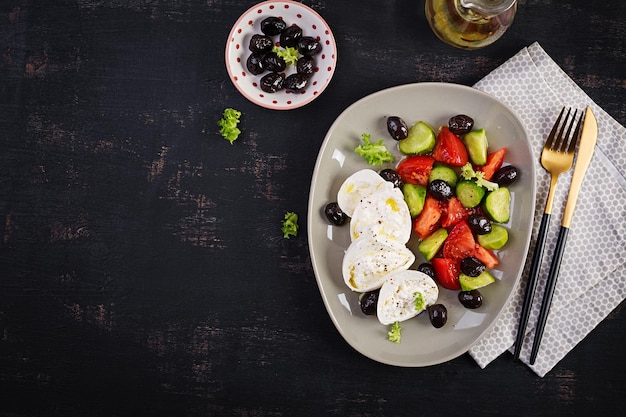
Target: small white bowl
249 24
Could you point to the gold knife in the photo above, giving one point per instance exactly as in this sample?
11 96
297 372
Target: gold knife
588 140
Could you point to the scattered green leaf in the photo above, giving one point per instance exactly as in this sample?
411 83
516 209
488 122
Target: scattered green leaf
419 301
468 173
228 124
290 225
289 54
374 153
395 333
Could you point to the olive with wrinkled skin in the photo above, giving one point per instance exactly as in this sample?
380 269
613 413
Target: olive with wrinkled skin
261 43
472 267
254 63
479 224
272 25
305 65
460 124
334 214
505 176
427 268
273 62
438 315
397 128
309 46
290 36
295 83
392 176
471 299
441 190
272 82
368 302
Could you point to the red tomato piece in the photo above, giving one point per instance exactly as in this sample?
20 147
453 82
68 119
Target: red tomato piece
494 162
429 219
454 213
446 273
460 242
450 149
416 169
486 256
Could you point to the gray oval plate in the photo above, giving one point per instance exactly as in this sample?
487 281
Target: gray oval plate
434 103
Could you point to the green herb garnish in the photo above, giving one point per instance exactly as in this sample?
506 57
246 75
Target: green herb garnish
228 124
395 333
468 173
374 153
419 301
290 225
289 54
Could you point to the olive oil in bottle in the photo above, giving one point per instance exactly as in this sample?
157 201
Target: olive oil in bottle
470 24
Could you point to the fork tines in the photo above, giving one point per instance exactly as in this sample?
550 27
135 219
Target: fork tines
563 141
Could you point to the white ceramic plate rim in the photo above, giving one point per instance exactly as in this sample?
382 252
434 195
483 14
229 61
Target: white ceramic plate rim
236 54
422 345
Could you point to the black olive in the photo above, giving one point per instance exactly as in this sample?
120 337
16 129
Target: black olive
261 43
295 83
472 267
368 302
438 314
272 26
460 124
392 176
254 63
505 176
272 82
309 46
479 224
273 62
440 189
471 299
397 128
334 214
427 268
290 36
305 65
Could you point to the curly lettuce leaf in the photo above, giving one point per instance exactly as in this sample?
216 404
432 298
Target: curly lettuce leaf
289 54
374 153
468 173
290 225
228 124
395 333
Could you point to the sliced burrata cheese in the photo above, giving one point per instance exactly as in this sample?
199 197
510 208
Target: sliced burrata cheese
369 259
382 213
358 185
405 294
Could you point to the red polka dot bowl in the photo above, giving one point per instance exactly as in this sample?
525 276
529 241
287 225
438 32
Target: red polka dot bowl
249 24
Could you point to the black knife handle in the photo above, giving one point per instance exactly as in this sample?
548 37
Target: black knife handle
549 291
531 284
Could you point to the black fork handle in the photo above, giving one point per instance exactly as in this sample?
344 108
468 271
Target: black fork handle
532 283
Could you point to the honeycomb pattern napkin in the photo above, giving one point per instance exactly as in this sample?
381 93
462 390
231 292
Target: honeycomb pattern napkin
592 280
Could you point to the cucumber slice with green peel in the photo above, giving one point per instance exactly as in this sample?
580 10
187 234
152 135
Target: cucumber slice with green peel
472 283
414 195
476 144
420 141
469 193
444 173
498 205
495 239
431 245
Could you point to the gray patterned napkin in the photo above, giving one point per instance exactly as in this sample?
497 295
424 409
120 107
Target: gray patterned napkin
592 280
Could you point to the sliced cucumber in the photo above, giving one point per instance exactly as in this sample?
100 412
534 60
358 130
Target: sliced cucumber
421 140
444 173
476 144
469 193
472 283
414 195
495 239
498 205
431 245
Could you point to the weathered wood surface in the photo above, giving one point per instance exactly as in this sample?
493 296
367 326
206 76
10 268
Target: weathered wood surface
142 268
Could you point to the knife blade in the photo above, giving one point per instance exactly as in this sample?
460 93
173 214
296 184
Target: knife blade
588 140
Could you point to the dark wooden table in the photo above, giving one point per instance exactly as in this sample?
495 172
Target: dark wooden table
142 267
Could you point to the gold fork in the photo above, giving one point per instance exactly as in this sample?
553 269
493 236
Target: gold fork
556 158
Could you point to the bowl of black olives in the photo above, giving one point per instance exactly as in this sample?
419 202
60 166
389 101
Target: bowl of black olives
281 54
